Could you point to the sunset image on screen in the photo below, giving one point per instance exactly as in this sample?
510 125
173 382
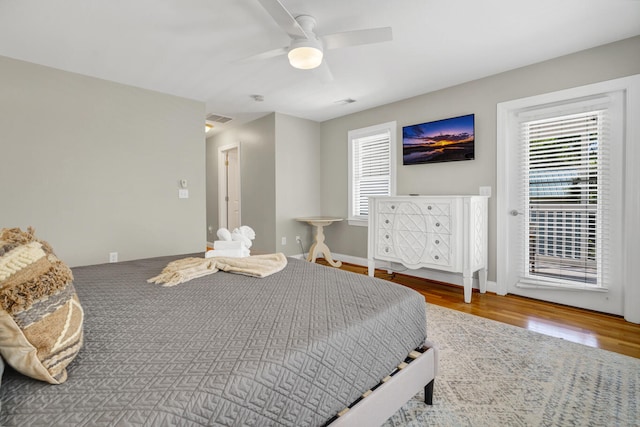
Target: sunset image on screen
439 141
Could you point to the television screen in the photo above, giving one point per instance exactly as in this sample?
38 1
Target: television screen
445 140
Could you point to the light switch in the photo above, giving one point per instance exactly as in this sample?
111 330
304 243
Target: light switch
183 193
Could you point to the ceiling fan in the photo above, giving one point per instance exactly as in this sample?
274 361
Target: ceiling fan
306 50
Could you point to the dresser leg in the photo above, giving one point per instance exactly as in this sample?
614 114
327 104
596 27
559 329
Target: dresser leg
372 268
467 282
482 276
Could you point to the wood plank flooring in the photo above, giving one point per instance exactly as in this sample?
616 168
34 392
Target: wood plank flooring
587 327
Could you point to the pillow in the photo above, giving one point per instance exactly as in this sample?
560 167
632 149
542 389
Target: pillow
40 314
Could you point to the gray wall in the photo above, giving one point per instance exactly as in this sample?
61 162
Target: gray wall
279 162
257 179
479 97
94 165
297 180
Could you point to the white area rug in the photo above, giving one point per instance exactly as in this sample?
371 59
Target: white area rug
494 374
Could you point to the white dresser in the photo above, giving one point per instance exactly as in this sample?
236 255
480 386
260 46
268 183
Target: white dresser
446 233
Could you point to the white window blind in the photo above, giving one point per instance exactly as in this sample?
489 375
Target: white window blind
371 171
371 167
564 188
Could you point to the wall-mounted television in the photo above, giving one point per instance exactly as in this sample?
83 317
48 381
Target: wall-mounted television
445 140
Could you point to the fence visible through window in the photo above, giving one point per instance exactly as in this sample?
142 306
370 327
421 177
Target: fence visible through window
562 242
564 191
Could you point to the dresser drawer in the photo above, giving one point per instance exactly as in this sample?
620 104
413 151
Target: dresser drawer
440 224
402 245
385 237
388 207
436 208
386 251
409 245
385 221
439 250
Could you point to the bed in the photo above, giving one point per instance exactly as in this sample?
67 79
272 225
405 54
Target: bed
297 348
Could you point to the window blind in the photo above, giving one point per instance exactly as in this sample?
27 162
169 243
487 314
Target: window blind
371 171
565 159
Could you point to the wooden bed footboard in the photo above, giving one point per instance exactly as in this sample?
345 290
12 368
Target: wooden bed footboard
378 404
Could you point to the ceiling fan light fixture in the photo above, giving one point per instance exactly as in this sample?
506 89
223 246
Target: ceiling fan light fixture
305 56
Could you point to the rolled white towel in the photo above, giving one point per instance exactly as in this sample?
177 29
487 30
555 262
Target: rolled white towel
223 234
229 253
247 231
223 244
237 237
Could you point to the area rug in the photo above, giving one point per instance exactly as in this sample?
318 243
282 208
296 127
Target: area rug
494 374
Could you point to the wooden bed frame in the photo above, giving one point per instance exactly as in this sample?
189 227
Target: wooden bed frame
380 403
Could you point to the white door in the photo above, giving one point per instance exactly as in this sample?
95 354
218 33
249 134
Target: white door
229 194
560 178
233 189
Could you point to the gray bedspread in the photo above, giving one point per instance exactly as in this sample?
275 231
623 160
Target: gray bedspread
290 349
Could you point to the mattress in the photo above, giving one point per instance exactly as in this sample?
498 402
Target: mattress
291 349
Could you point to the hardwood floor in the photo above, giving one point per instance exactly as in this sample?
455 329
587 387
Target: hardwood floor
587 327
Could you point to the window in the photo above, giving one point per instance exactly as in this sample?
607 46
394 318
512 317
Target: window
371 168
565 183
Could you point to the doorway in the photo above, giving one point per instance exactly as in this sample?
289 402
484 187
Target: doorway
560 197
229 188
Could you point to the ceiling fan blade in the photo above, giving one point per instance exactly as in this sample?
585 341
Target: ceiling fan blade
357 37
284 19
266 55
323 73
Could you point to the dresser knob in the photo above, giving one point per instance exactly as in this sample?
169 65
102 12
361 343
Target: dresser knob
386 221
436 257
429 207
386 236
437 224
437 242
393 206
386 250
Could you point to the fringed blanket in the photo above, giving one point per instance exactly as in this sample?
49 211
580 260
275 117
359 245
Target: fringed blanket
183 270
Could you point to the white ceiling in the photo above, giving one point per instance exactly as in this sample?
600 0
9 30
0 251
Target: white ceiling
193 48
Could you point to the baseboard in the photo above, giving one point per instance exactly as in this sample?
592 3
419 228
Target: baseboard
424 273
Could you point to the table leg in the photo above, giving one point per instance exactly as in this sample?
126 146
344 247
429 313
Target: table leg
320 247
312 253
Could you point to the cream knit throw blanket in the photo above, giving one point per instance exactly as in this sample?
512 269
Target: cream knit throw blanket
182 270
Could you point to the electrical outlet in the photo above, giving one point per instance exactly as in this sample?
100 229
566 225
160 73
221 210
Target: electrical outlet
284 241
113 256
298 239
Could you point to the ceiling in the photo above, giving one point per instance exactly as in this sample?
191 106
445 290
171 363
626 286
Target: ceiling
195 48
